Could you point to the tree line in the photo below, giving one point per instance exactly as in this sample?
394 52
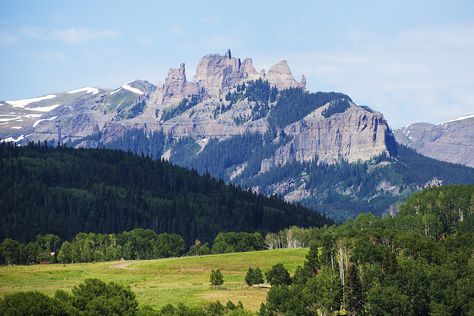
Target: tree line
137 244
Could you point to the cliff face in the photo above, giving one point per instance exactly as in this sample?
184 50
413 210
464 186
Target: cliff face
451 141
357 134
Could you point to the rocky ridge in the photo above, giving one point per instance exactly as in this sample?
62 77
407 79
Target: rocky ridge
451 141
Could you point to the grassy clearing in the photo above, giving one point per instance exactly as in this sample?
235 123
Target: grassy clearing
160 282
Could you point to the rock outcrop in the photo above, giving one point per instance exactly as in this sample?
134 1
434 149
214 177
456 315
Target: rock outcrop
451 141
357 134
216 74
280 76
176 87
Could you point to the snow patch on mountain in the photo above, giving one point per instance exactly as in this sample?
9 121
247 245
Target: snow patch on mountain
11 139
8 118
46 119
458 119
86 90
22 103
115 91
132 89
44 108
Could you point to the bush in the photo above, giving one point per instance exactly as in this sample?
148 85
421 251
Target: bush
216 277
254 276
278 275
199 249
31 303
95 297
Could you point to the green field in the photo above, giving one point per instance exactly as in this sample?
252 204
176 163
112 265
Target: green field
160 282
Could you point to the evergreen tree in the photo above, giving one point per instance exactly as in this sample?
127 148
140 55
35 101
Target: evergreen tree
216 278
278 275
353 291
254 276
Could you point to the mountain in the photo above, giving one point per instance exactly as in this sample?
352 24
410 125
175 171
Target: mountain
451 141
258 129
65 191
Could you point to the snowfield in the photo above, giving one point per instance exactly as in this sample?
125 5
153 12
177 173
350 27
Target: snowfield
132 89
46 119
44 108
86 90
11 139
22 103
458 119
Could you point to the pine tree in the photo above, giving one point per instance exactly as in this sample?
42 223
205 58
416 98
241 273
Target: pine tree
353 296
217 277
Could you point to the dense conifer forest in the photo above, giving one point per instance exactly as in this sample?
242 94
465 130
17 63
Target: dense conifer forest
64 191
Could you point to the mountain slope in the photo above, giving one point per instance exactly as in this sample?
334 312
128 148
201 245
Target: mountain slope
451 141
66 191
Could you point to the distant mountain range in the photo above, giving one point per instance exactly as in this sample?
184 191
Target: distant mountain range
451 141
258 129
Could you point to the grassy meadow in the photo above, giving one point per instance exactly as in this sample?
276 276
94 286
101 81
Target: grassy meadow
159 282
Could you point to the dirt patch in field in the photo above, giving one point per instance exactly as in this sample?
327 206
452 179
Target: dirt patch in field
121 265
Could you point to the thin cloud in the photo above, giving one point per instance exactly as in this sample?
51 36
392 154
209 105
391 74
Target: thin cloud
77 35
416 75
71 35
8 39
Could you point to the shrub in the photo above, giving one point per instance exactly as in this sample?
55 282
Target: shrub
216 277
254 276
278 275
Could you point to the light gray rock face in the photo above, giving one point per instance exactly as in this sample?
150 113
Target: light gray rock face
451 141
176 87
280 76
356 134
216 73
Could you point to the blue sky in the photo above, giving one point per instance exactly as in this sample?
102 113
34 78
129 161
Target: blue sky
411 60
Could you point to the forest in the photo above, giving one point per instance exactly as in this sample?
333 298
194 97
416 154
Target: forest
64 191
420 262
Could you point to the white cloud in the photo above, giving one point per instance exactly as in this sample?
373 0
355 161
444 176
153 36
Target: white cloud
417 75
72 35
75 35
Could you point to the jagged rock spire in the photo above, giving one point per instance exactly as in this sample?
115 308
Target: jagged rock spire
280 76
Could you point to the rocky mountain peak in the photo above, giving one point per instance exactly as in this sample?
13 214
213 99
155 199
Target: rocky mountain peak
451 141
176 86
216 72
280 76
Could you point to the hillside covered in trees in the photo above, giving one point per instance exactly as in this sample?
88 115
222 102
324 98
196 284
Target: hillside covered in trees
64 191
420 262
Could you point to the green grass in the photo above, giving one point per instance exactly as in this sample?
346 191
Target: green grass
160 282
